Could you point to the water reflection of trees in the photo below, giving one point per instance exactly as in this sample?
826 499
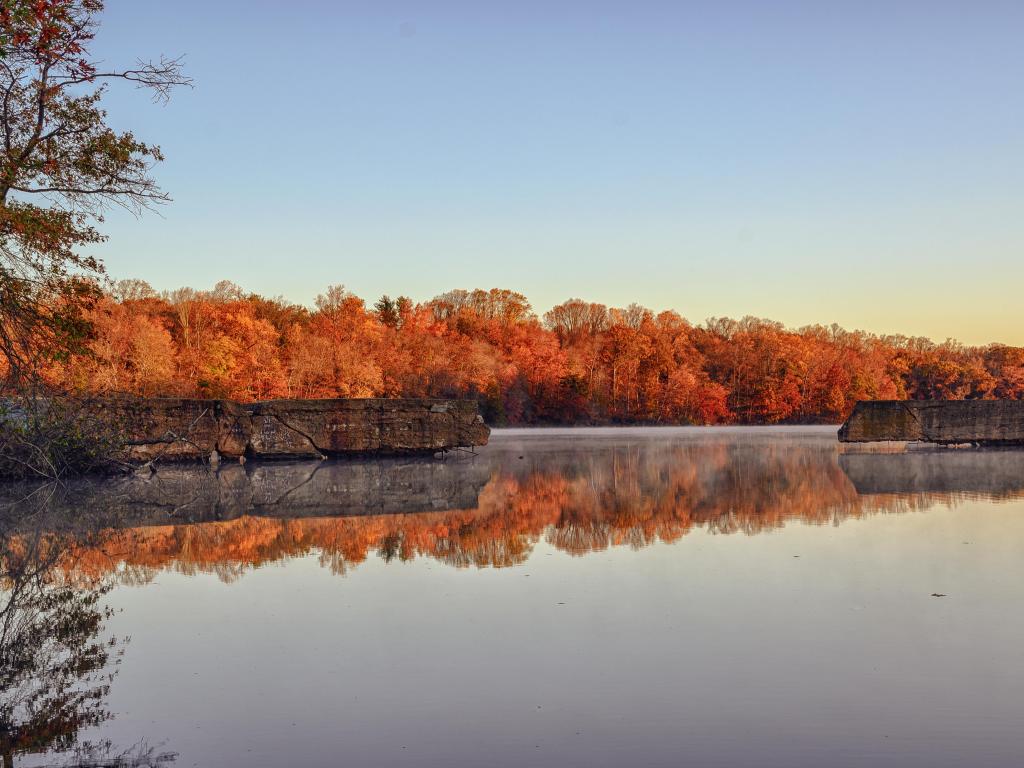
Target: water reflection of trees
56 664
578 502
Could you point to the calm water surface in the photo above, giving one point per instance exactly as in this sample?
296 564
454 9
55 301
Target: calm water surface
650 597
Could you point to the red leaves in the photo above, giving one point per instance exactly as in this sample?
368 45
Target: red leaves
50 31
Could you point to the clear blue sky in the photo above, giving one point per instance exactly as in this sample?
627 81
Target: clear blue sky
852 162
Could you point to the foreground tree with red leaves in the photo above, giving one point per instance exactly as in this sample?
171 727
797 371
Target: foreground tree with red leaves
61 166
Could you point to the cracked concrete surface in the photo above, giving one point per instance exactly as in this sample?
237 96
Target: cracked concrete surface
167 429
946 422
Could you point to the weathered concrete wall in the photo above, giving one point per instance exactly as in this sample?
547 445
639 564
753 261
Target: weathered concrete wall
986 422
178 428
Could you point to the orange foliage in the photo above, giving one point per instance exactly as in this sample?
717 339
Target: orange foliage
632 498
581 363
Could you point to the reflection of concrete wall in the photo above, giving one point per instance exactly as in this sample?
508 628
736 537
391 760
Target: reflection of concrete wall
936 421
191 493
978 471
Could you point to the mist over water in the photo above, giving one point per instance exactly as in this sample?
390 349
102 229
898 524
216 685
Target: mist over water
572 597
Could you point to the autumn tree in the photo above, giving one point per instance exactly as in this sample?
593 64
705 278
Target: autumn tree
335 354
61 166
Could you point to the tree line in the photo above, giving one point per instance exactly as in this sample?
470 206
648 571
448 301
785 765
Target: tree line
579 363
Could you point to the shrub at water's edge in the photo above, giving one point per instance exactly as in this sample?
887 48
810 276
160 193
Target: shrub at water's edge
54 438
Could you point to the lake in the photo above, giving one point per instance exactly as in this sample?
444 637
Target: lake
583 597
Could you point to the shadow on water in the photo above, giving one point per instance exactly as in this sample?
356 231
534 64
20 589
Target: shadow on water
985 473
580 493
57 662
193 493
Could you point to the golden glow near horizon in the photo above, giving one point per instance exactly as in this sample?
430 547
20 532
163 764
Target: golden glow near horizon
716 159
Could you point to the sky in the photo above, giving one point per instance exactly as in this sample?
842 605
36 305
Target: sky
811 162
